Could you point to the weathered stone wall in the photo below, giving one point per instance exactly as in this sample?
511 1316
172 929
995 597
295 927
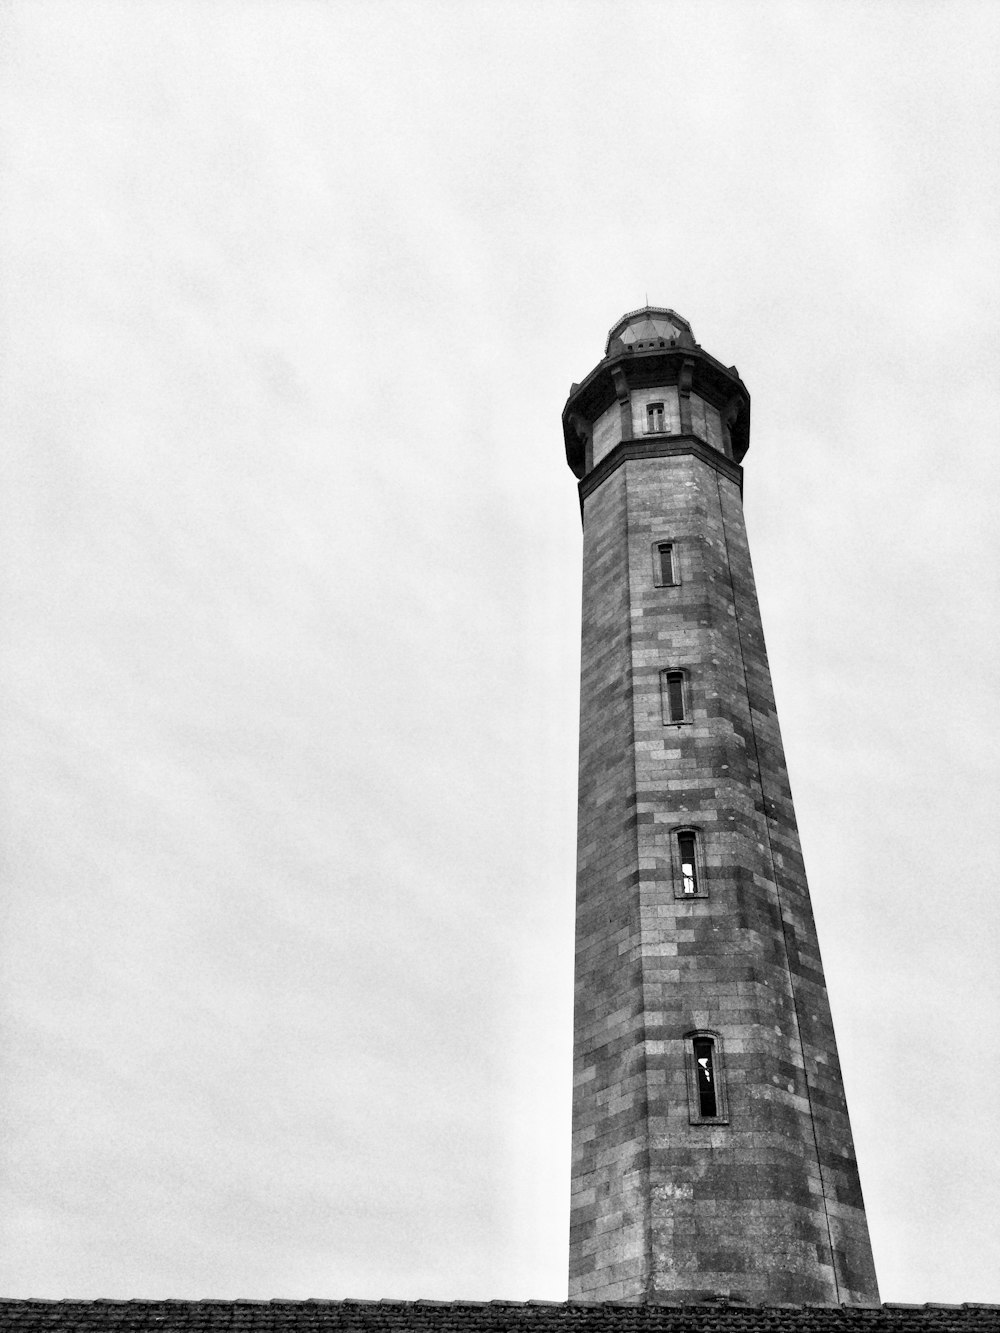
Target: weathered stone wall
609 1222
706 422
607 431
767 1206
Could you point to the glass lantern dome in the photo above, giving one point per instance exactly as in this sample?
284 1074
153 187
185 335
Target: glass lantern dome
649 328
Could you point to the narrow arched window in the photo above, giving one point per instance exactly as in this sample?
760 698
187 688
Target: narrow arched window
665 565
688 864
674 689
687 851
704 1076
707 1103
654 418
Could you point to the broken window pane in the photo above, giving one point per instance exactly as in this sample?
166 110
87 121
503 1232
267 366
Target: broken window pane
689 874
704 1065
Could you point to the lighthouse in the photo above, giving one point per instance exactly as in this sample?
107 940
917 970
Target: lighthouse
712 1150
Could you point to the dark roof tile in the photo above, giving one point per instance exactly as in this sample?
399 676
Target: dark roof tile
431 1316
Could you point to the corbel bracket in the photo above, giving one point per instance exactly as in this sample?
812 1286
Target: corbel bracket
584 434
624 400
729 416
685 376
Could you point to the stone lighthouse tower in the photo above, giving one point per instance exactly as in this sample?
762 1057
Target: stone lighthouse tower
712 1151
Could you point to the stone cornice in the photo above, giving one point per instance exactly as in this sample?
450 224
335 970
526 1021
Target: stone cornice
663 447
689 367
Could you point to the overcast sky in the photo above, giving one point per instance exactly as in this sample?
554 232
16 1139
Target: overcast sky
290 575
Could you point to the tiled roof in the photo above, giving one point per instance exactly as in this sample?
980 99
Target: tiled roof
36 1316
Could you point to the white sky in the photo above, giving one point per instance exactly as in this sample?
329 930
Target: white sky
294 294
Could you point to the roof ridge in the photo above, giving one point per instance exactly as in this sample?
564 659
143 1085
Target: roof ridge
430 1302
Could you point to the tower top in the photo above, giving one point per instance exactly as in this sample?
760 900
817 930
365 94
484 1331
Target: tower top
647 349
652 326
